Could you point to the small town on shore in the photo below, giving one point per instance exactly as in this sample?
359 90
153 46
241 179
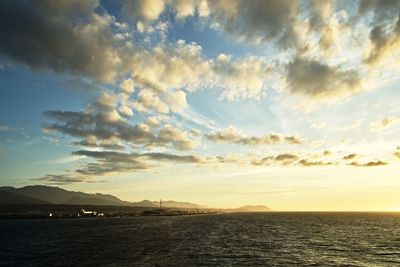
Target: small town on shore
66 211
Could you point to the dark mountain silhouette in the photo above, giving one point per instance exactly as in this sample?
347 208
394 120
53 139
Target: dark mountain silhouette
7 198
56 195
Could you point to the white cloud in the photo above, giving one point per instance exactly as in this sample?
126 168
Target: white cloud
148 99
185 8
177 101
146 9
127 86
126 111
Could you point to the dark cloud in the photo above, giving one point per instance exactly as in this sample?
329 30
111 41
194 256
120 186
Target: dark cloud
64 36
110 162
268 139
327 153
112 156
104 129
100 163
233 135
309 163
257 20
88 143
382 9
117 162
384 42
318 80
286 157
281 159
350 156
368 164
60 179
289 159
385 32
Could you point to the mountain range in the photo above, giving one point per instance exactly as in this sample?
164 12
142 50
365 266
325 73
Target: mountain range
47 195
40 194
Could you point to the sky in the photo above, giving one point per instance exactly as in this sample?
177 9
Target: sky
290 104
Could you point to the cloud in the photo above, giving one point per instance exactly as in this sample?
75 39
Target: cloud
256 21
242 78
97 50
235 136
92 142
4 128
152 122
178 138
169 66
285 159
60 179
99 124
281 159
108 162
126 111
385 33
52 35
384 43
318 80
384 123
20 131
143 9
323 22
350 156
368 164
308 163
381 10
127 86
312 160
150 100
229 134
111 162
396 154
177 101
185 8
102 48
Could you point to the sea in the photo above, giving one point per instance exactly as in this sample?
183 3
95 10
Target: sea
235 239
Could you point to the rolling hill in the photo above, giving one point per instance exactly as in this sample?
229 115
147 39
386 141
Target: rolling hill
7 198
41 194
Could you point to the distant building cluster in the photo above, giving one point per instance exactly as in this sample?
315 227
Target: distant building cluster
89 213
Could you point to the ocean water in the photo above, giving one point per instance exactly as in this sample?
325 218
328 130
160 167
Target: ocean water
247 239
